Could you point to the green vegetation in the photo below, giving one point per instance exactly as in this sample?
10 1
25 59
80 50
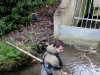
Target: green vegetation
50 2
15 13
8 56
11 57
7 52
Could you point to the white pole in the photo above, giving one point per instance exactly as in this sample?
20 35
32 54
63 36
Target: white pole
24 52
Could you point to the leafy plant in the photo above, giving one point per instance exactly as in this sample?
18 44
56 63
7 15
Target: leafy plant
11 56
15 13
7 52
51 2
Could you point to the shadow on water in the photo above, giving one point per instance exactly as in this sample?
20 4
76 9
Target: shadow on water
74 64
28 70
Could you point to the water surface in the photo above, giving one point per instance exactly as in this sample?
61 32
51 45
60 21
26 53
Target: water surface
73 61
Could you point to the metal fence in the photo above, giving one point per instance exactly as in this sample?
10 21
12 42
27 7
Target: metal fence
87 14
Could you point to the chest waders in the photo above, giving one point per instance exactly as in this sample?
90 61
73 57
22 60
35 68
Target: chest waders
48 66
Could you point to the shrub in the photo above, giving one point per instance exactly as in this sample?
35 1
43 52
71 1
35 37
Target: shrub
10 57
15 13
51 2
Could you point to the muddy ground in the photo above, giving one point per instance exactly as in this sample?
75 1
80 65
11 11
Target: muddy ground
38 30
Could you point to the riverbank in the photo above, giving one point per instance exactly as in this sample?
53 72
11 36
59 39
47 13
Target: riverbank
33 36
73 64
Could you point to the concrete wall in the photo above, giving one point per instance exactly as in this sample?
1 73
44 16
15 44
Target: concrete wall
64 31
79 36
64 14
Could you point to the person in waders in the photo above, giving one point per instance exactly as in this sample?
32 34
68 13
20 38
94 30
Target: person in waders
52 64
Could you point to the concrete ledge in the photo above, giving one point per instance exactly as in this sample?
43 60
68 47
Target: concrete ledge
64 4
79 36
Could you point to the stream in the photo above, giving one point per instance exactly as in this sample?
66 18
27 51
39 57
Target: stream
76 61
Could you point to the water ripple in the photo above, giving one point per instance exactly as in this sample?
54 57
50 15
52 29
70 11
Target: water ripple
82 69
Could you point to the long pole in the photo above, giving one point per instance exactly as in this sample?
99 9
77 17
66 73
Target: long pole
24 52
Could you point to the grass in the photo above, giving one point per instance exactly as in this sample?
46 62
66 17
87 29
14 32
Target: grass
11 57
8 52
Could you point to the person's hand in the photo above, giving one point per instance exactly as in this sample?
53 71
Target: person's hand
64 73
34 61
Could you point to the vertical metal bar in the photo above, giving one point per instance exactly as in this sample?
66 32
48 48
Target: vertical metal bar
75 11
97 16
84 12
80 11
92 15
88 12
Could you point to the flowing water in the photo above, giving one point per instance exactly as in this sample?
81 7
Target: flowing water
76 62
80 62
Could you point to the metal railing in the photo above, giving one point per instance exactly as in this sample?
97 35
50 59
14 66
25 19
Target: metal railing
84 14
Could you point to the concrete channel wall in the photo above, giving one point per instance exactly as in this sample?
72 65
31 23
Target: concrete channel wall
64 14
63 30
